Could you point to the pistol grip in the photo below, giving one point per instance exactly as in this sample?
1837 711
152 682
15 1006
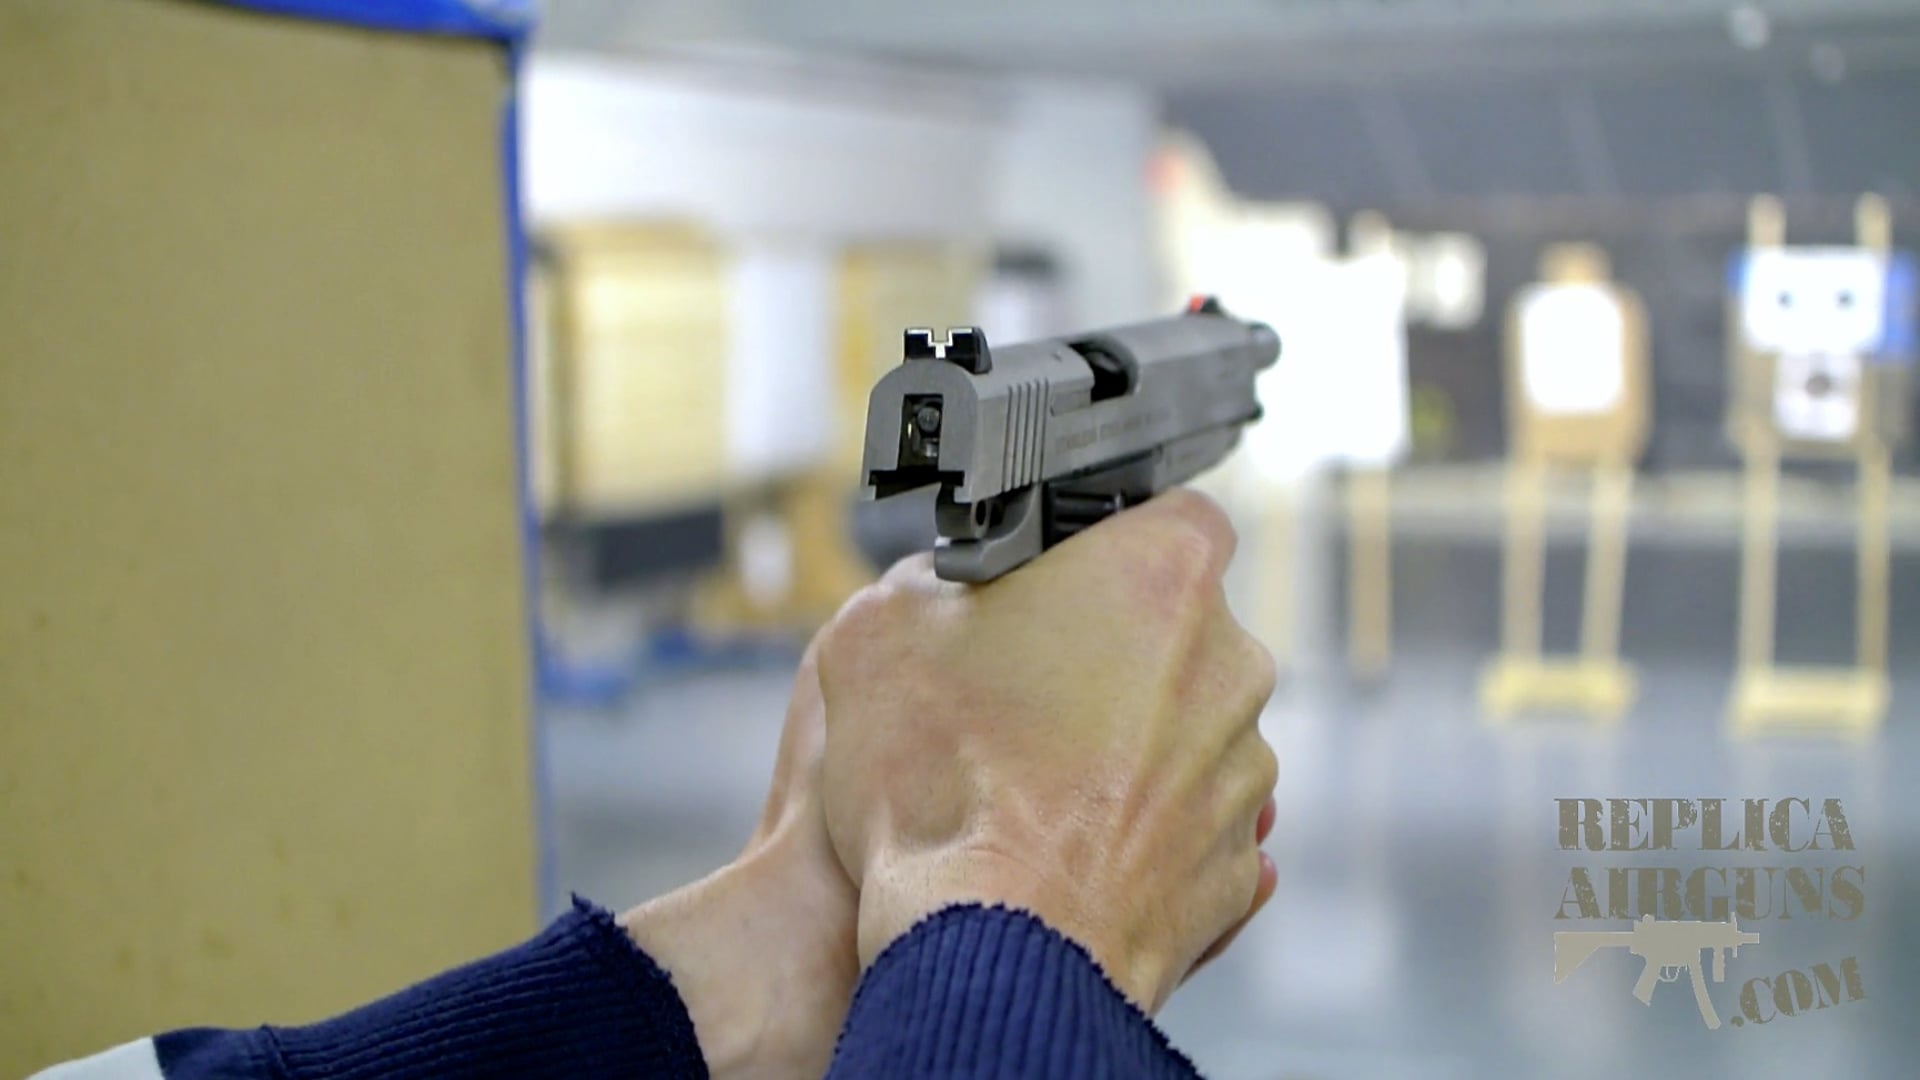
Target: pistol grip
1643 989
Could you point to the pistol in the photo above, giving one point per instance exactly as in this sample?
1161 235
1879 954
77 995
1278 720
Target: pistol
1032 443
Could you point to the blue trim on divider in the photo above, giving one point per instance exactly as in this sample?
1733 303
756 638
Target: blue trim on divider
1901 339
546 875
604 684
506 20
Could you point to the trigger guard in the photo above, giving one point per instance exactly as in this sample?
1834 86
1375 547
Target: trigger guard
1017 536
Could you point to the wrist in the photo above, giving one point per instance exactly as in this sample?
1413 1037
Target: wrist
738 944
898 893
680 931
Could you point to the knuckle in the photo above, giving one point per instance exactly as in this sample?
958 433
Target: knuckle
1182 559
1174 548
1267 768
1246 880
861 610
1201 507
877 624
1251 862
1249 773
831 654
1262 674
1204 514
915 569
861 623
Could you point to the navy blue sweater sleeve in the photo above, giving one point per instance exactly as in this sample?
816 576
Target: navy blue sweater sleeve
578 1001
988 992
969 992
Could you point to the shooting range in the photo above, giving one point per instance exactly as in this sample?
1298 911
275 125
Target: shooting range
433 432
1819 375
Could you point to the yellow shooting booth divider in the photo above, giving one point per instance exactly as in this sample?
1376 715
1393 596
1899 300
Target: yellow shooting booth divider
1578 393
630 369
631 382
264 673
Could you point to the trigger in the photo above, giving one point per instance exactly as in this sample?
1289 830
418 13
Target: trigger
1069 512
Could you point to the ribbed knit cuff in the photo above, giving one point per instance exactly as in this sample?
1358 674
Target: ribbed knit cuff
975 991
580 1000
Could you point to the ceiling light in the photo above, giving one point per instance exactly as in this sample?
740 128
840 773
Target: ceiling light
1749 27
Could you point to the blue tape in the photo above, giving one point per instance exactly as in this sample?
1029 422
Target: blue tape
504 20
546 875
1901 339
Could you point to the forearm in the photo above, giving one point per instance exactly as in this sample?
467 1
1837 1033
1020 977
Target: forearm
978 991
579 1000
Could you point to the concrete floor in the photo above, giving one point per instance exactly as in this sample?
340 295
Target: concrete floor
1419 870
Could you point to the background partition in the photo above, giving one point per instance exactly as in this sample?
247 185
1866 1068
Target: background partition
264 674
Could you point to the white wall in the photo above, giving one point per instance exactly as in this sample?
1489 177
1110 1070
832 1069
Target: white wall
781 399
610 139
820 154
785 163
788 161
1072 177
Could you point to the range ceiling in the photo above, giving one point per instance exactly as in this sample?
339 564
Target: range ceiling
1398 102
1674 134
1262 42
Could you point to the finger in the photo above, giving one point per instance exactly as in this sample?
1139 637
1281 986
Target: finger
914 569
1266 881
1261 777
1180 523
1268 884
1197 511
1245 789
1260 674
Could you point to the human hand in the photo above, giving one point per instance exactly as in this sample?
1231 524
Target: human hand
1078 739
762 951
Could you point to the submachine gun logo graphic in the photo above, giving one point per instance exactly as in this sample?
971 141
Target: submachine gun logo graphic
1667 946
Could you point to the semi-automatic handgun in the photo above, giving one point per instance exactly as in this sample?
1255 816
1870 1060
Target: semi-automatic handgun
1032 443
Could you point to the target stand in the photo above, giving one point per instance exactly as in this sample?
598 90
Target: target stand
1578 393
1816 377
1373 354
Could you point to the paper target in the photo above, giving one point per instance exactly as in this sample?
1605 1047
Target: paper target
1572 350
1816 397
1814 300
